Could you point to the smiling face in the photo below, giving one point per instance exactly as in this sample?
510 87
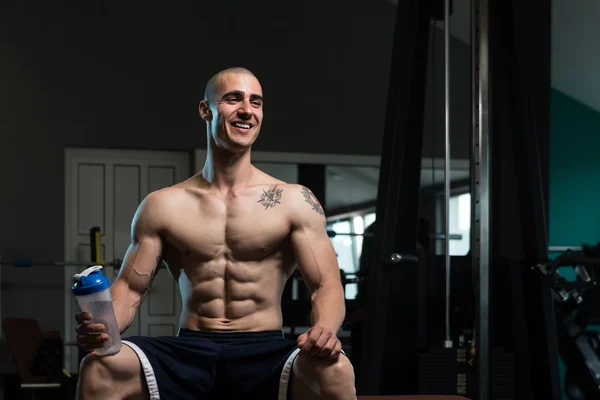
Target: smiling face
233 111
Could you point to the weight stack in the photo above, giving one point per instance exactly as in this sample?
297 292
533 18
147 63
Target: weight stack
447 372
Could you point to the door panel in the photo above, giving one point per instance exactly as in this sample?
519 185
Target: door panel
127 199
161 330
163 297
160 177
160 312
90 197
126 181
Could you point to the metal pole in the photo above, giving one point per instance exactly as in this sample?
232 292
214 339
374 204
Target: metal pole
482 190
448 341
1 289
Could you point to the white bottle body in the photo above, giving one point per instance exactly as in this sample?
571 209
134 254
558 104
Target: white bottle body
100 306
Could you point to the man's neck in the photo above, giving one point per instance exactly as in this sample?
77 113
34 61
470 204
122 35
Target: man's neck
226 170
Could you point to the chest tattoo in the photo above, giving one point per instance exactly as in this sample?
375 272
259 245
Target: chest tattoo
269 198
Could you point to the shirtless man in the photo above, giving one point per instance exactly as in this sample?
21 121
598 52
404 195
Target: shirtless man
231 236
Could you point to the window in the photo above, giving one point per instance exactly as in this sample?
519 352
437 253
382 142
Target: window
348 243
343 245
460 224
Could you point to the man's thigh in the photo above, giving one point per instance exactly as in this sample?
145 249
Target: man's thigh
315 378
119 373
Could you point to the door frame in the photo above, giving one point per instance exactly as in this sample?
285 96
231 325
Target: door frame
103 155
327 159
299 158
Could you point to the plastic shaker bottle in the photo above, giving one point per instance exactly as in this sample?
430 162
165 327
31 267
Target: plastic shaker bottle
92 290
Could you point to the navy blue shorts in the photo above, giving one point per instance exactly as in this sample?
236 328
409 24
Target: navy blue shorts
214 365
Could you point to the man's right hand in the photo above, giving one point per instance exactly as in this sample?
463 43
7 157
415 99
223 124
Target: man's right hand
89 336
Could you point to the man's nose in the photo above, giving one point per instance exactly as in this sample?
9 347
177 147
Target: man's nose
245 109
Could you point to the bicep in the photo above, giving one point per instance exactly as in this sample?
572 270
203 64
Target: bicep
314 251
143 257
316 258
140 264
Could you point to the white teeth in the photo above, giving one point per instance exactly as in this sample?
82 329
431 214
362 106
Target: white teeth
245 126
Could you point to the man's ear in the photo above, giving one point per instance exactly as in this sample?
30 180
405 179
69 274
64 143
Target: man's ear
204 110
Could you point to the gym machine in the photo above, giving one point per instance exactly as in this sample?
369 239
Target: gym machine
509 350
38 357
578 305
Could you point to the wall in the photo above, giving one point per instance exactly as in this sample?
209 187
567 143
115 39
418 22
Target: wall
574 215
575 59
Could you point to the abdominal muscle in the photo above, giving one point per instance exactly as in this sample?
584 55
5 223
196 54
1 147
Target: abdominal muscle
223 295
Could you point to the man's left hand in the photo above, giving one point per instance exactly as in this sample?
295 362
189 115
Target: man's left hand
320 342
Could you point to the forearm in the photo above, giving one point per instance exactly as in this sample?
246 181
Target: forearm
125 316
328 306
125 309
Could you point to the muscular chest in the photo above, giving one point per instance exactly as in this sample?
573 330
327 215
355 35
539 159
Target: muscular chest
244 227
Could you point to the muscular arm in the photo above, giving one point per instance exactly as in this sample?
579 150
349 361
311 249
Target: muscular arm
141 262
317 261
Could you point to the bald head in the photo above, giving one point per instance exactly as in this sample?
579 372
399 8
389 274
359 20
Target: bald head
233 109
210 89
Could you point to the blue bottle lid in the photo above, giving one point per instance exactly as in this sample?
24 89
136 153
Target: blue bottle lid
90 281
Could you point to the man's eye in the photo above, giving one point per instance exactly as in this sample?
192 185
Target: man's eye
257 103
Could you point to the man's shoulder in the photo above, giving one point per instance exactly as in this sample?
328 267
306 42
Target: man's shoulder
290 195
301 192
297 199
159 204
165 196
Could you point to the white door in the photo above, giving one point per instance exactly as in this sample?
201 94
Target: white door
103 188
